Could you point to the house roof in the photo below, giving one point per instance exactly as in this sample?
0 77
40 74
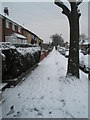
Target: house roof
32 33
29 31
7 17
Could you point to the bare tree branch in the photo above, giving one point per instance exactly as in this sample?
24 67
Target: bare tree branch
71 1
65 11
78 3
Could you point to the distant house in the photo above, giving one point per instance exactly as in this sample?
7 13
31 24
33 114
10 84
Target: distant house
31 37
46 46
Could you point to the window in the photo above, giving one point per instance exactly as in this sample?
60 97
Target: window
13 27
19 29
7 23
33 37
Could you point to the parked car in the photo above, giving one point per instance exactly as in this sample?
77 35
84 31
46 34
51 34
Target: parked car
67 53
84 61
60 49
84 52
63 50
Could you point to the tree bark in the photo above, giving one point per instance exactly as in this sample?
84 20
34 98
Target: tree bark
73 61
89 75
73 17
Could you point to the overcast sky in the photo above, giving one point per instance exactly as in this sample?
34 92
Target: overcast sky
45 18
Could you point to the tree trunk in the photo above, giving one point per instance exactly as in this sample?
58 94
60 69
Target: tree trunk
73 61
89 75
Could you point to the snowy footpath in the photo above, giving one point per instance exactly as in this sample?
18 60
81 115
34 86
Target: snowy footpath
46 93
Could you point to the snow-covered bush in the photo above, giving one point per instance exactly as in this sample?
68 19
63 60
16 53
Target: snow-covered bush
3 64
15 61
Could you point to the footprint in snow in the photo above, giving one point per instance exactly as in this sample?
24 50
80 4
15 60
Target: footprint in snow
11 110
48 78
79 113
19 94
84 106
59 80
56 63
42 108
62 68
18 114
74 100
60 89
35 109
69 115
51 92
50 112
33 98
39 113
63 101
41 97
27 98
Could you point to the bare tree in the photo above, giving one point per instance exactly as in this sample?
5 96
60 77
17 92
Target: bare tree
57 40
73 16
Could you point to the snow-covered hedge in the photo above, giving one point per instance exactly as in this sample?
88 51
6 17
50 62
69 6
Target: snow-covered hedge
15 61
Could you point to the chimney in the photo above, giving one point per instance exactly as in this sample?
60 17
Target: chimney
6 11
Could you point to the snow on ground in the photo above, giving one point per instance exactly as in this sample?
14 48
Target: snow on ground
46 93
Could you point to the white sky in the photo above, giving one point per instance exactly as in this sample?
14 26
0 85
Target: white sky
45 18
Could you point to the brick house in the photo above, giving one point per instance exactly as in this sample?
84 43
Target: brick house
31 37
10 31
14 33
27 34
